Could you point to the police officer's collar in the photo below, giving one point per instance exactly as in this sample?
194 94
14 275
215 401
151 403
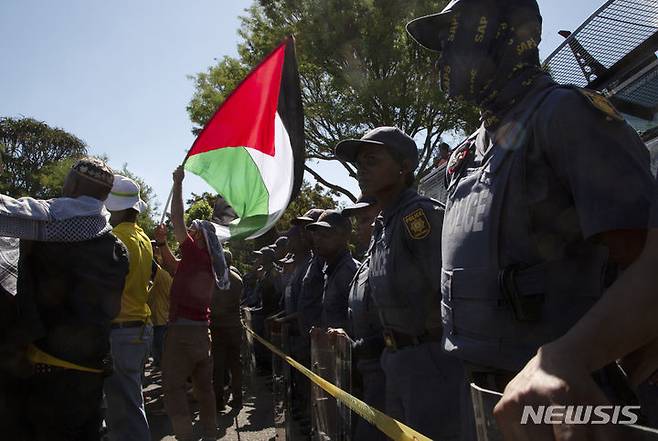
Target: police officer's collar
406 195
329 268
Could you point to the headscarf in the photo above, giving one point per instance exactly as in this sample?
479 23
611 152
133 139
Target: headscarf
490 56
53 220
219 268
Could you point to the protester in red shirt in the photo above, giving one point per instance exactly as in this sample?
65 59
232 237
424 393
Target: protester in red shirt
187 344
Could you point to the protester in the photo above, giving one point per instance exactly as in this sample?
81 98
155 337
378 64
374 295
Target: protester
226 331
71 275
132 332
159 303
187 344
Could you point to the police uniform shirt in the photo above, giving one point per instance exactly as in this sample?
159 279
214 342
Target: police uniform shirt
365 328
570 170
337 278
405 264
653 217
294 286
310 297
268 291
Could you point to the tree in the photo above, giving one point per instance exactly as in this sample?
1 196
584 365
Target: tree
31 151
146 218
358 69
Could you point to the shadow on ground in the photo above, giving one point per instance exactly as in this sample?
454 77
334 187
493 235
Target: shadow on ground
254 422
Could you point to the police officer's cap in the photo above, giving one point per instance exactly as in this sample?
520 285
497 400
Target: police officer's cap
391 137
331 220
429 31
310 216
363 202
282 242
265 252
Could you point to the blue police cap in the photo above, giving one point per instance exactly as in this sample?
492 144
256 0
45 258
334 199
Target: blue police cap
363 202
331 220
391 137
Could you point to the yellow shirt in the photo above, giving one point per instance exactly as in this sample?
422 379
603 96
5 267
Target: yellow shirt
159 297
140 256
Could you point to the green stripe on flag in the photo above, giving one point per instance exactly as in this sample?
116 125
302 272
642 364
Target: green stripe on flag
231 171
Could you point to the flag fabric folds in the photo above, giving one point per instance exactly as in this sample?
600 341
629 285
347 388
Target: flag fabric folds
252 150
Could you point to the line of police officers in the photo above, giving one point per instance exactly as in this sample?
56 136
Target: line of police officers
547 201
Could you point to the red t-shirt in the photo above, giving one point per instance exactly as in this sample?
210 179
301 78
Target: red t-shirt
193 284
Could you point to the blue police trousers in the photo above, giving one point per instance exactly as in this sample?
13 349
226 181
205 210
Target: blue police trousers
423 389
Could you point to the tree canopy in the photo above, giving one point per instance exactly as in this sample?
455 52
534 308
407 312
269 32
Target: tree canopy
359 69
31 151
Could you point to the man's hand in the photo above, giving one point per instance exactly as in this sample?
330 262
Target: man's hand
179 174
553 377
161 233
335 332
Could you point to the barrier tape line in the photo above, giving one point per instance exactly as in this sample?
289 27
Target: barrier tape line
390 426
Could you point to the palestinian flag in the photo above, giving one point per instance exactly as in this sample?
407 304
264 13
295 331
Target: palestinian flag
252 149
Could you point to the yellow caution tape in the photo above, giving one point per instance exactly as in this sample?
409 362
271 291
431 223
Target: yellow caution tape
36 355
390 426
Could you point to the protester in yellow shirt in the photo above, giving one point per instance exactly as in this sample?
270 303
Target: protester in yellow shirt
132 332
159 304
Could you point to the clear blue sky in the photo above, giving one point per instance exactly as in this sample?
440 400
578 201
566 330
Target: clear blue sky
114 73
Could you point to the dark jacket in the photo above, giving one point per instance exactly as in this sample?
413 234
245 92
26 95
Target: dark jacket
67 295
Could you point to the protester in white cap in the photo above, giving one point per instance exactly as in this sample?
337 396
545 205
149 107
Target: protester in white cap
132 331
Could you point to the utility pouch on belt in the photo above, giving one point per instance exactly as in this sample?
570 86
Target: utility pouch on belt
526 307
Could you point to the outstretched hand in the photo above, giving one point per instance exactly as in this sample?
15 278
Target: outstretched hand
161 233
179 174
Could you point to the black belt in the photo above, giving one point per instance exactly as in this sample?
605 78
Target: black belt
128 324
395 340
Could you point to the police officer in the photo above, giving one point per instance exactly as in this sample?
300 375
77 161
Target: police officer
422 383
331 234
364 212
548 196
365 329
309 308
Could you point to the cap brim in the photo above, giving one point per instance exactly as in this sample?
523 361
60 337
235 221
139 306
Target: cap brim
120 203
315 226
348 149
302 220
430 30
350 210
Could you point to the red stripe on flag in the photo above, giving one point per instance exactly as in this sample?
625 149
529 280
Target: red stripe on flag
246 117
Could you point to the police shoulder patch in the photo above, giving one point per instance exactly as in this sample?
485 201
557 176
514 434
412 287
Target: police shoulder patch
602 104
417 224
